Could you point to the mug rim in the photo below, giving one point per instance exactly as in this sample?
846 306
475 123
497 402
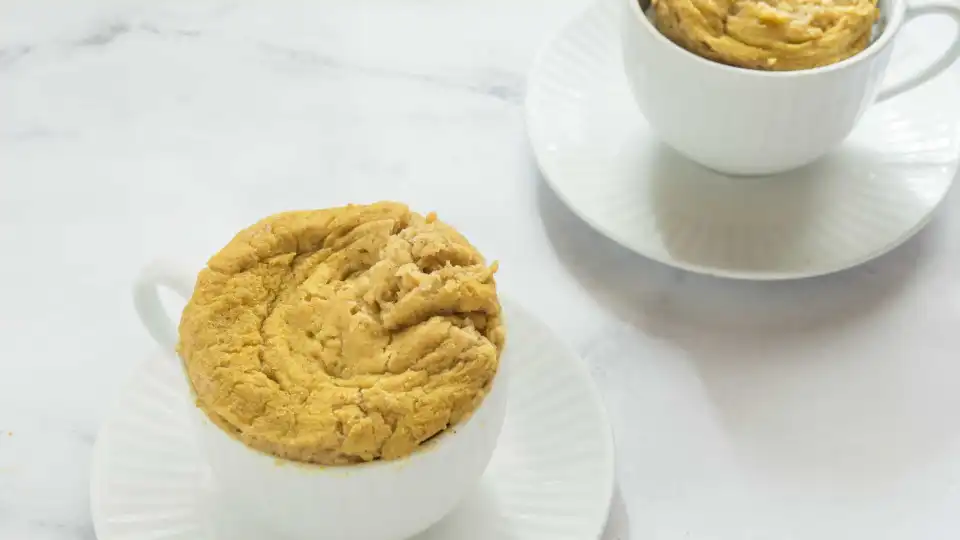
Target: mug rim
422 452
874 48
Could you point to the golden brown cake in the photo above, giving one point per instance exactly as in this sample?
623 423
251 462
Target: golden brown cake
777 35
342 335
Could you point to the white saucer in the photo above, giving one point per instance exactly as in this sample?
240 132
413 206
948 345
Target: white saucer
598 154
551 476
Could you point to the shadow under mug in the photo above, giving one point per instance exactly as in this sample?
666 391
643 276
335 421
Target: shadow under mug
749 122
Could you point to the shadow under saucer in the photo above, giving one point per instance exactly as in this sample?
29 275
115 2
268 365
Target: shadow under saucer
798 395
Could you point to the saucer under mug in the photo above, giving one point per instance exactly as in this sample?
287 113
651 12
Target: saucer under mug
550 478
600 156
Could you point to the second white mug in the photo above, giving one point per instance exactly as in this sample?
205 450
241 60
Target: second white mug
749 122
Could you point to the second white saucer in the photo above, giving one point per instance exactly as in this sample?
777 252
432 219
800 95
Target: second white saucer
599 155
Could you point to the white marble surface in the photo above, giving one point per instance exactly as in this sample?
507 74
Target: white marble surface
824 409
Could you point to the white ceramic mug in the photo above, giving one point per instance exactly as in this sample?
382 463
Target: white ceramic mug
748 122
380 500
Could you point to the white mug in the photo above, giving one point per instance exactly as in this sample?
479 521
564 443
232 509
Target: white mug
748 122
380 500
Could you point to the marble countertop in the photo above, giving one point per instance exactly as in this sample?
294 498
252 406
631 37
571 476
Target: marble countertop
826 408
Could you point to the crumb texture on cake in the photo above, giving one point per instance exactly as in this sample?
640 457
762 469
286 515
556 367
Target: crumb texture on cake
342 335
779 35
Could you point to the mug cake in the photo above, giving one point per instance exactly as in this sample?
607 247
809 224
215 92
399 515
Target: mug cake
344 335
776 35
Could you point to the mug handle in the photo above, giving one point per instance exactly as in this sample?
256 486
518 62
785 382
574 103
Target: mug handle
146 300
945 60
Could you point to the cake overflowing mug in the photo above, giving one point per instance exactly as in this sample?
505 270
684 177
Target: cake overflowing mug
336 359
750 122
379 500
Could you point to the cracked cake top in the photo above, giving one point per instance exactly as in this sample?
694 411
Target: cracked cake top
777 35
342 335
